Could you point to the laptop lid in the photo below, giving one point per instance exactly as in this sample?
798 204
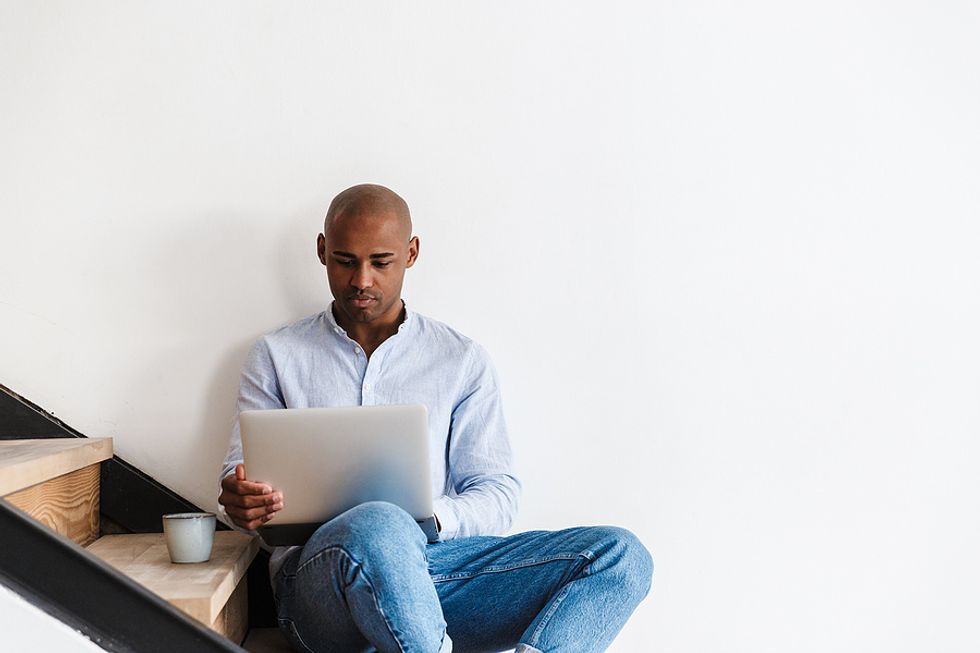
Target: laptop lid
328 460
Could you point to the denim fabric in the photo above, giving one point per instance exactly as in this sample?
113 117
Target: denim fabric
368 581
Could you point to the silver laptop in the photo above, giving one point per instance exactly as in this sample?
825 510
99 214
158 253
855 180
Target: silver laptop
328 460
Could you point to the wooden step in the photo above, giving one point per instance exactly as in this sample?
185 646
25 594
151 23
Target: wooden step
214 592
24 463
56 481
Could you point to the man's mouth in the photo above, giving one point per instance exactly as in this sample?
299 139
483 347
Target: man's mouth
360 301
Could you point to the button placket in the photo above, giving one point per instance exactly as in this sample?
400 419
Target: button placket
369 380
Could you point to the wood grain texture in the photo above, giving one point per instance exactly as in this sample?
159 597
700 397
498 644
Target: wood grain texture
24 463
68 504
202 589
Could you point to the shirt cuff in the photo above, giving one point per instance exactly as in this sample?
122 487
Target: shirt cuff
446 512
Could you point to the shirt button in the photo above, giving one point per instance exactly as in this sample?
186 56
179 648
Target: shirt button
357 350
367 387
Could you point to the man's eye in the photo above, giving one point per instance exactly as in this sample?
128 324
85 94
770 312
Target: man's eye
382 264
344 262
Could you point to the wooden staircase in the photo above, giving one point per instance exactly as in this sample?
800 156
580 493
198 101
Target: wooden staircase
56 482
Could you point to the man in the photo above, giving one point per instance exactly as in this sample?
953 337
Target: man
368 579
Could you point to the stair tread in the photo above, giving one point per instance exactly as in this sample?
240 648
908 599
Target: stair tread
24 463
200 589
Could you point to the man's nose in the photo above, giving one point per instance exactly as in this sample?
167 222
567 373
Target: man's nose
361 278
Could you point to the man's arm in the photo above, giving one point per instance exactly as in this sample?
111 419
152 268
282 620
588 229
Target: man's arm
249 504
480 461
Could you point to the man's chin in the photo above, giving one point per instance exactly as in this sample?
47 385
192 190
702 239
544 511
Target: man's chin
369 312
365 314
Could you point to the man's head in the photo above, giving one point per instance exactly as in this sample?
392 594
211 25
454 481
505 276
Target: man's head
366 246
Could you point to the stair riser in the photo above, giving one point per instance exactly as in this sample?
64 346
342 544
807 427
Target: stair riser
68 504
232 621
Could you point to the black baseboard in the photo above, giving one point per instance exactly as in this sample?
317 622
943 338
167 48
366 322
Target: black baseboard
130 498
20 419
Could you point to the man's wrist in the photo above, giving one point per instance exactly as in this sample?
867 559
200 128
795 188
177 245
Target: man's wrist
447 519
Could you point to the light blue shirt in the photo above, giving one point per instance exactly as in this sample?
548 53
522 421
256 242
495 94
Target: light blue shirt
313 363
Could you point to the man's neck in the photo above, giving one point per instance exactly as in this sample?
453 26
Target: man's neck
370 335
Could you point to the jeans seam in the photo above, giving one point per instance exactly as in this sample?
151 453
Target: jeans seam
464 575
292 628
367 577
547 617
559 598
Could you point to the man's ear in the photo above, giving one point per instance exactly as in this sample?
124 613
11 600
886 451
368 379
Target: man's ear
321 248
413 251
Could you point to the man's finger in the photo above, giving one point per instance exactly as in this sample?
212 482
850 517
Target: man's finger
237 486
232 497
253 487
248 514
251 500
252 518
255 523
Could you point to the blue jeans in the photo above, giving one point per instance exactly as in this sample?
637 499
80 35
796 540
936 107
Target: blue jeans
367 580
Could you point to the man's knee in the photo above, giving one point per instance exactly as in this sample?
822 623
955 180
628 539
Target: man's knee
626 557
369 530
356 578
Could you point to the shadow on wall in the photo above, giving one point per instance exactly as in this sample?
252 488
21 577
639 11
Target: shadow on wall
215 422
235 279
300 275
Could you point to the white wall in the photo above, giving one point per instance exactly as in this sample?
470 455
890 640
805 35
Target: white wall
725 256
24 627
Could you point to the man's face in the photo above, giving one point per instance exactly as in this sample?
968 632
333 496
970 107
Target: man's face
366 257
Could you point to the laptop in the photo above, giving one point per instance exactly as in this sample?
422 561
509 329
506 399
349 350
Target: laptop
328 460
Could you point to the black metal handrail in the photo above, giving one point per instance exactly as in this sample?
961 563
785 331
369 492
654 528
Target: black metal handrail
76 587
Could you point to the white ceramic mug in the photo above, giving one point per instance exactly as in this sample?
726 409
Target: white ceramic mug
189 536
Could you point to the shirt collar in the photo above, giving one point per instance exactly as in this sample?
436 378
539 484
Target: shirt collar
332 321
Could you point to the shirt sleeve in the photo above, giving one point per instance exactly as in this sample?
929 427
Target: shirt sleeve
257 389
484 490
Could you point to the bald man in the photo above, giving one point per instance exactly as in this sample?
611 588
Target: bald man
369 579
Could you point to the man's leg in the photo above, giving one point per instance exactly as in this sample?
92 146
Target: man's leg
567 591
362 583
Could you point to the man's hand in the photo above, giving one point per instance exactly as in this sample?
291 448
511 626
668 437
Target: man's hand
248 503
